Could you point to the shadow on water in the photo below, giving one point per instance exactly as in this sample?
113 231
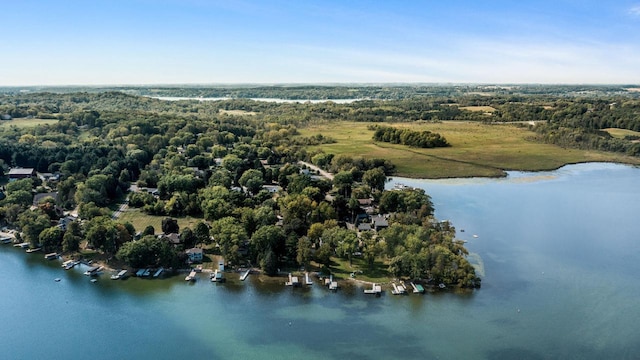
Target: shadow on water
513 353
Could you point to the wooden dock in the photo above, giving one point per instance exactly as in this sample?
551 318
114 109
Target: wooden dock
307 279
191 276
51 256
245 275
217 276
33 250
23 245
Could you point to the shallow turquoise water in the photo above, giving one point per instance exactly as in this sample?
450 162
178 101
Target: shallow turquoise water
560 253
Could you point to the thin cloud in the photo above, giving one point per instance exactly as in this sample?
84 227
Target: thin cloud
635 10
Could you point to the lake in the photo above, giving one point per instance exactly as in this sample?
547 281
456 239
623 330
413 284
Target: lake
559 252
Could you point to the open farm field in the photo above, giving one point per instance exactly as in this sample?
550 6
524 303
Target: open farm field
140 220
25 123
476 149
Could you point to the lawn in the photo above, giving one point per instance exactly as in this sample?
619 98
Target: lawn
25 123
476 149
140 220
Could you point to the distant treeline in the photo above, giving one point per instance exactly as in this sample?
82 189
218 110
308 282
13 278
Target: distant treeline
421 139
343 91
573 118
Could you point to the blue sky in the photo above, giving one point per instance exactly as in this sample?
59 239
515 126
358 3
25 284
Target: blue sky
97 42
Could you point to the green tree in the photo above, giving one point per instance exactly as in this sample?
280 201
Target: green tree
375 179
149 230
265 239
304 254
229 235
51 238
70 242
201 231
252 179
170 226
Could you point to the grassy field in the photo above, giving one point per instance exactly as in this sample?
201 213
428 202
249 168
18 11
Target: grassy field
486 109
621 133
477 149
236 112
140 220
25 123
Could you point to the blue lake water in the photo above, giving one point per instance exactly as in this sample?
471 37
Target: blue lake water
559 253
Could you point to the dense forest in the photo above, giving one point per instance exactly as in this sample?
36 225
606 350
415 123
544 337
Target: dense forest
212 159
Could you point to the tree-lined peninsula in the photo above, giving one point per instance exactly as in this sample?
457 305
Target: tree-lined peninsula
131 178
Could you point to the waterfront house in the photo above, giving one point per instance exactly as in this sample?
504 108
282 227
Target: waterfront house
195 255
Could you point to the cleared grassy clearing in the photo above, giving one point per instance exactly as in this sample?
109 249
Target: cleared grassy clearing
236 112
25 123
485 109
140 220
477 149
621 133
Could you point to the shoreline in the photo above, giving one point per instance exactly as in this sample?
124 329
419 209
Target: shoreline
506 171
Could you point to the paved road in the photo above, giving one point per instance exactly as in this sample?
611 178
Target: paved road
315 168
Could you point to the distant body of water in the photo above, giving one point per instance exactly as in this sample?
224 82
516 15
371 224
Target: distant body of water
559 252
273 100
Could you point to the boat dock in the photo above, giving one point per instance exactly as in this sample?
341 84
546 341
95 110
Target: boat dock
5 239
417 289
398 289
51 256
68 264
375 289
293 281
33 250
332 285
307 279
244 276
93 270
119 275
23 245
140 272
217 276
191 276
158 272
